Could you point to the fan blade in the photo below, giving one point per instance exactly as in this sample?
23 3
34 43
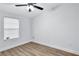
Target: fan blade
34 3
38 7
31 3
21 5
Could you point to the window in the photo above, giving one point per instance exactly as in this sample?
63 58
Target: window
11 28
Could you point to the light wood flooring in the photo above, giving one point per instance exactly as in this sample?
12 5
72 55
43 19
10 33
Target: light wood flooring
34 49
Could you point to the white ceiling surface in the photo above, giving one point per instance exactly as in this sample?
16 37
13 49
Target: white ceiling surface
22 11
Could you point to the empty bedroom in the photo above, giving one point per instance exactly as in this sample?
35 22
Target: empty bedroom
39 29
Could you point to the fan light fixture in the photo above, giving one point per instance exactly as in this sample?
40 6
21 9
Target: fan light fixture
30 6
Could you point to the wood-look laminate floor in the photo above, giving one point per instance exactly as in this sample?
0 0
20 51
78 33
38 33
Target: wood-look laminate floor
34 49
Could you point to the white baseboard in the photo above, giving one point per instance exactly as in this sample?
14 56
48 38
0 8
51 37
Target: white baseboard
53 46
13 46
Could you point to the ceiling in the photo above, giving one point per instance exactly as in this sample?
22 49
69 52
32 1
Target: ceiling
22 11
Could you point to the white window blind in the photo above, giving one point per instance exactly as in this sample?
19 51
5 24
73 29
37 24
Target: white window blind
11 28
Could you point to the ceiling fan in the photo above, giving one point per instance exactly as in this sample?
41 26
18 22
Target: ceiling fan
30 4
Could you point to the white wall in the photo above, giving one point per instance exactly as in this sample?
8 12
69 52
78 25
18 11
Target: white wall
56 28
25 32
59 27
